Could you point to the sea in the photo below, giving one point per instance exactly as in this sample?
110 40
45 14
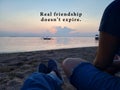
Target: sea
26 44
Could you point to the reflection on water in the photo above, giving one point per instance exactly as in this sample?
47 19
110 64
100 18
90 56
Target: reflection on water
21 44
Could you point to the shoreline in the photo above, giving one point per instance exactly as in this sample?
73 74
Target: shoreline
15 52
16 67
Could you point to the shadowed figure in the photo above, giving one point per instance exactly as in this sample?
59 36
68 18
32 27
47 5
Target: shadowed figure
101 74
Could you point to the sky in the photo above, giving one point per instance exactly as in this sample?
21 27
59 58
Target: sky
22 17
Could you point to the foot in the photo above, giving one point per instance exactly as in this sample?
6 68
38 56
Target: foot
52 66
42 68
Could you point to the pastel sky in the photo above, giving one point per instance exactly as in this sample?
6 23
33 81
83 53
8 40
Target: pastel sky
22 17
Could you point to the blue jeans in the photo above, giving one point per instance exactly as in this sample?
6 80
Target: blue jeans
86 77
41 81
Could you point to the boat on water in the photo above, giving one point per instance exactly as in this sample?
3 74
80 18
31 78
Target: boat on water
46 38
96 37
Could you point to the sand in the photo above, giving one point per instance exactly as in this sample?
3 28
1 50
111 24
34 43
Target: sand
16 67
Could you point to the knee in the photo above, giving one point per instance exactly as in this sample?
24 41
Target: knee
70 63
66 64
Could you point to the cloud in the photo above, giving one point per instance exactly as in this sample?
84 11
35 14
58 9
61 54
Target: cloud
53 32
58 31
65 31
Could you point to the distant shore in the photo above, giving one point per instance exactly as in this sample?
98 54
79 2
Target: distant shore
15 67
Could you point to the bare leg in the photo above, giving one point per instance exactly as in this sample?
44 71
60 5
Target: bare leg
70 63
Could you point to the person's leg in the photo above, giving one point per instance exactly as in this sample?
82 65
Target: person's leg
52 66
85 76
70 63
44 79
54 72
40 81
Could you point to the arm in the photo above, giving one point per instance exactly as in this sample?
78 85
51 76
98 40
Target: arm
108 45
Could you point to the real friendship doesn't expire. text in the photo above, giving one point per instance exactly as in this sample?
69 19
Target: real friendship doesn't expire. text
61 17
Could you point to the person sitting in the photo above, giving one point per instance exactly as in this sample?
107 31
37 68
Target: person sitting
101 74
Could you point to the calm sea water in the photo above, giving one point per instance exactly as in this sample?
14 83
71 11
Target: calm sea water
24 44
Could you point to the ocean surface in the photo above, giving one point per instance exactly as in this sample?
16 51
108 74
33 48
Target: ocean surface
25 44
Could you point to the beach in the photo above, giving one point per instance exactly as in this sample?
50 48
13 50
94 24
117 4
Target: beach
16 67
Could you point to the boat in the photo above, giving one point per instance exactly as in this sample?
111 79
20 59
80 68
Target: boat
96 37
47 38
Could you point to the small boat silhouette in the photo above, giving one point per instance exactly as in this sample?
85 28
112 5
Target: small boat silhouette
96 37
47 38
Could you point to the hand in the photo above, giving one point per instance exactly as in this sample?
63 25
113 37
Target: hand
114 68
